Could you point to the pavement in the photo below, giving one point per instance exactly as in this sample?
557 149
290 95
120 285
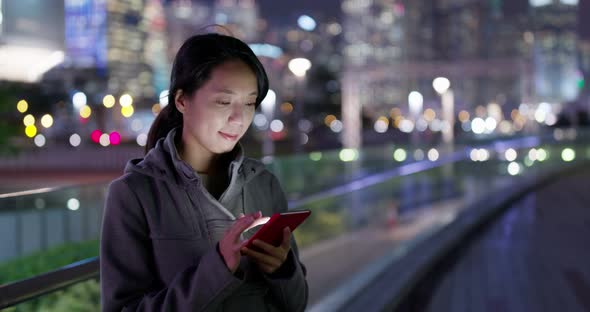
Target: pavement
333 263
534 257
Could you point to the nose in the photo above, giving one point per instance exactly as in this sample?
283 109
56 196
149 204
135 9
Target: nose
236 116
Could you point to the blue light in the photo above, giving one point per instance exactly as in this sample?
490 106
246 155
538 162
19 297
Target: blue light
306 23
265 49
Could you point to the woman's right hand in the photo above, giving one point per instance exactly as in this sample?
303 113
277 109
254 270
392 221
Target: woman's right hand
229 245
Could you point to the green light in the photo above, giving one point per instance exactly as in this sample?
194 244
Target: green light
581 83
315 156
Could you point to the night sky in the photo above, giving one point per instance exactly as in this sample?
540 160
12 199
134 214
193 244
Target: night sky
290 10
286 11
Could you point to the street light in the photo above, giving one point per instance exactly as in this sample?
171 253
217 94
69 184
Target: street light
299 68
268 107
415 102
442 86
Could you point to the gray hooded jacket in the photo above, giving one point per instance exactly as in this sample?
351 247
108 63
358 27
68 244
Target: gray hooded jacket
160 232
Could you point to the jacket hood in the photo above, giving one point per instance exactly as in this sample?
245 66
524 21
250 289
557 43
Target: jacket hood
163 162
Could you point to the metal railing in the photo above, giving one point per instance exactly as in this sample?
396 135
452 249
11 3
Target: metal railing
31 288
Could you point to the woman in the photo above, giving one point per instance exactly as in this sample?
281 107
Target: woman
173 225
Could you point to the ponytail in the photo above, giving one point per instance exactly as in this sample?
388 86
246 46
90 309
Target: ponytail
168 119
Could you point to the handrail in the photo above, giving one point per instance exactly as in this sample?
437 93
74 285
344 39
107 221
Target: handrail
27 289
384 288
31 288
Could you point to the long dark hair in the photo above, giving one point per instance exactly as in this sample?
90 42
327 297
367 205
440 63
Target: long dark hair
192 67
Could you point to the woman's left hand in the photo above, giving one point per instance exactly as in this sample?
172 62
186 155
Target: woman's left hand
270 258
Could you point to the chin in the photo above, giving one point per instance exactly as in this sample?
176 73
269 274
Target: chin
224 149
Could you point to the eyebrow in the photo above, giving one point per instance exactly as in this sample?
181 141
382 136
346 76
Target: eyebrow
227 91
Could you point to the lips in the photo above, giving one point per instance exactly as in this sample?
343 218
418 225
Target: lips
231 137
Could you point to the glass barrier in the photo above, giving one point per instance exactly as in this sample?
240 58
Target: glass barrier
47 230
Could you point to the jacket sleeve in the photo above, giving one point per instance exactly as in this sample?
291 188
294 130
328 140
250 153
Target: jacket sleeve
128 272
288 285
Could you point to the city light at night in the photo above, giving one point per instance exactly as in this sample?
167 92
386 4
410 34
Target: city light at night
22 106
47 121
108 101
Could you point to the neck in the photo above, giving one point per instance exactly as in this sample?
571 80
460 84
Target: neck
200 159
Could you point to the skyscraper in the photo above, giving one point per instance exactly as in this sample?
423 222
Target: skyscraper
240 16
397 46
555 50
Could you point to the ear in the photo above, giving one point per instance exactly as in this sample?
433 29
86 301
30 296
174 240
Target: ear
180 101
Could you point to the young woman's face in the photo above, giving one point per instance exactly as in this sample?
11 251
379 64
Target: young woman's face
218 114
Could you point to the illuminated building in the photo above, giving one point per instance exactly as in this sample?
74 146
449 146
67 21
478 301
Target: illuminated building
394 47
557 72
240 16
184 19
29 44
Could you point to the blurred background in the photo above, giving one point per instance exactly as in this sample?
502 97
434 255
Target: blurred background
383 114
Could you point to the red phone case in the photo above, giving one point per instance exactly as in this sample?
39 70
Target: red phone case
272 231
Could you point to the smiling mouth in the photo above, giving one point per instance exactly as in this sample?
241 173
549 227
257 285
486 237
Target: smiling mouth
229 136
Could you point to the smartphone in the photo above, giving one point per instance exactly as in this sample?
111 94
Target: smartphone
272 231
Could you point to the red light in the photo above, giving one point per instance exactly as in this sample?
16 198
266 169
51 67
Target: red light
115 138
95 136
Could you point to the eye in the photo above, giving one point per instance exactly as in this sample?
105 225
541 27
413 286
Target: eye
251 104
222 102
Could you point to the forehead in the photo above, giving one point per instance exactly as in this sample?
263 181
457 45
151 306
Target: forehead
234 76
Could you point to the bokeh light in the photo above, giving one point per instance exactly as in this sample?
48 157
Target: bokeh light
141 139
348 154
163 98
28 120
73 204
315 156
419 154
568 154
22 106
108 101
513 168
115 138
276 125
542 154
40 140
286 108
336 126
433 154
104 140
400 155
47 121
510 154
75 140
381 125
156 109
95 136
85 111
328 120
31 131
127 111
126 100
478 125
79 100
306 22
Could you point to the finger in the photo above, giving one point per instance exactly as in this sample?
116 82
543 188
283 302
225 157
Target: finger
239 226
241 215
267 268
269 249
261 258
286 244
